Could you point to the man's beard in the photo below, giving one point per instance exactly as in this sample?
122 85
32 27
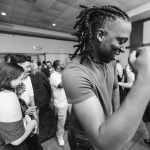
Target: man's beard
106 57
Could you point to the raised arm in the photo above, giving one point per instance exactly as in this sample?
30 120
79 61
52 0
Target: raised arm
114 132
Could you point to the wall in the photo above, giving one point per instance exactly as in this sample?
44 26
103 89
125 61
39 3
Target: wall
62 57
146 32
136 39
53 49
23 44
140 34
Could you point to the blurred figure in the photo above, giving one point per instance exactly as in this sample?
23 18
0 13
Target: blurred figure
39 65
129 74
42 96
130 77
119 69
27 95
12 129
45 69
120 76
49 65
60 100
44 65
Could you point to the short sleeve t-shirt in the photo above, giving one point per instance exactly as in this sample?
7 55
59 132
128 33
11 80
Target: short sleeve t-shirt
59 95
82 81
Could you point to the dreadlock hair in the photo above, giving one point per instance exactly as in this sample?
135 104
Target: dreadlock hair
89 21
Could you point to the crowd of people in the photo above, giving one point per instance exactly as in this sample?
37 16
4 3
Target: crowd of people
34 93
35 100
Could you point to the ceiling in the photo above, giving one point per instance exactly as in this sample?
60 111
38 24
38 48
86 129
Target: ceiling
42 14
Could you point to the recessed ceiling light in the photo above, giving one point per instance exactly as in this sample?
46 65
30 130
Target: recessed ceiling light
3 14
54 24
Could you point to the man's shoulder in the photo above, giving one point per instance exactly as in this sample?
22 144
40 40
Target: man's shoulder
73 66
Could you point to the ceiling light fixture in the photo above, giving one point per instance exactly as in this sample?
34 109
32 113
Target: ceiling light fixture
3 14
53 24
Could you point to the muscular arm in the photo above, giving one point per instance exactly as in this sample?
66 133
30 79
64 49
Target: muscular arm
114 132
122 124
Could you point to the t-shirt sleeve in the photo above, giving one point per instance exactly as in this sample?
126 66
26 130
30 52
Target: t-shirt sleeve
13 131
76 84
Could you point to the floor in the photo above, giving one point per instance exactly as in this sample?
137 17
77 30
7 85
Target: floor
136 143
51 144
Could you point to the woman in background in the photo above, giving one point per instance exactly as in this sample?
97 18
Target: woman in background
12 130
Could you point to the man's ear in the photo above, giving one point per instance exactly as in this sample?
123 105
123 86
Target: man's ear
100 34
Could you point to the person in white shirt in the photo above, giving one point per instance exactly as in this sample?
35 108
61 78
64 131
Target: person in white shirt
60 100
130 76
119 69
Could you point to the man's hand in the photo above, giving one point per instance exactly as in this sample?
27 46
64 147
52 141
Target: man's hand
140 63
31 110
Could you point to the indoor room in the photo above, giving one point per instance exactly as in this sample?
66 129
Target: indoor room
74 75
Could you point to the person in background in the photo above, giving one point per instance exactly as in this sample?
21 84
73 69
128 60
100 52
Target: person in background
44 65
49 65
12 130
42 96
60 100
119 69
129 75
27 95
128 80
45 69
91 86
120 76
39 65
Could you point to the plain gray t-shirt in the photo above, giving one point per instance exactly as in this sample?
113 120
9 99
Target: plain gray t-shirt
82 81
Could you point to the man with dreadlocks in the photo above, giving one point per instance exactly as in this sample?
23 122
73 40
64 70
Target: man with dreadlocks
91 85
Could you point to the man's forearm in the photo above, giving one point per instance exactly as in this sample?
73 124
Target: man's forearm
122 125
